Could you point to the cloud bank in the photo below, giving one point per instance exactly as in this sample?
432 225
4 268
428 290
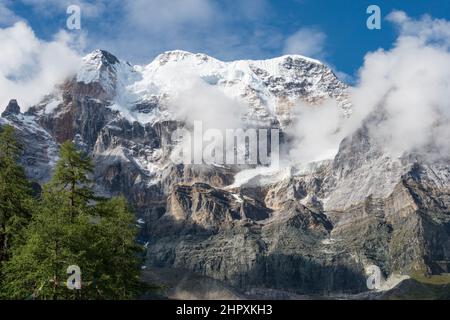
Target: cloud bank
407 87
410 84
316 132
29 67
141 29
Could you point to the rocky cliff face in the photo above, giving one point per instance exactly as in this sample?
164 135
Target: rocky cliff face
308 228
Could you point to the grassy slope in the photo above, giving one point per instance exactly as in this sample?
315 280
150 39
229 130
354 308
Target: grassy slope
422 287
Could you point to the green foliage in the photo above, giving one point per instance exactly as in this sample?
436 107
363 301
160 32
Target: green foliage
71 226
15 193
71 180
114 251
437 279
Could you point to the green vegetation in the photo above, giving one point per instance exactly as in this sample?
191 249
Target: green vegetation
440 279
66 225
422 287
16 200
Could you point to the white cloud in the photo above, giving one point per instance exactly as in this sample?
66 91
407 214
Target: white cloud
306 41
30 67
425 30
139 30
7 17
192 25
408 87
317 132
196 100
411 84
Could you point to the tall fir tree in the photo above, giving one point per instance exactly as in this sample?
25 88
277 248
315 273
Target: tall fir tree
15 193
71 179
71 226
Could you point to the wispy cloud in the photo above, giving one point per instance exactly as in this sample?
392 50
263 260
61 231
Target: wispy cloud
306 41
7 16
150 27
30 67
406 87
139 30
410 83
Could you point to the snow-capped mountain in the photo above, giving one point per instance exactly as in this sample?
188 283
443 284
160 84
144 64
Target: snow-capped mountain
306 228
270 88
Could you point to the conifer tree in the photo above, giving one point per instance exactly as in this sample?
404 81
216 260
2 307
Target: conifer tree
71 226
15 192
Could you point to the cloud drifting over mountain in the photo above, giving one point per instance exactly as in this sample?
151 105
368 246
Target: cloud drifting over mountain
402 95
410 84
30 67
139 30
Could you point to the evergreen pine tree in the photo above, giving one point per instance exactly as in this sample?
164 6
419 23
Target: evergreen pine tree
15 193
73 227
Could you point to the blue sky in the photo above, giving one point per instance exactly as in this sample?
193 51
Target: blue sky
139 30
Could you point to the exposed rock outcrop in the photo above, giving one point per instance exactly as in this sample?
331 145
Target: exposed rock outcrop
11 109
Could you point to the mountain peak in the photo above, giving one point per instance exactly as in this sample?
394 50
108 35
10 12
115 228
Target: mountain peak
179 55
101 67
12 108
102 56
263 84
300 57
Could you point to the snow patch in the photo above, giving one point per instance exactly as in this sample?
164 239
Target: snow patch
51 106
266 175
